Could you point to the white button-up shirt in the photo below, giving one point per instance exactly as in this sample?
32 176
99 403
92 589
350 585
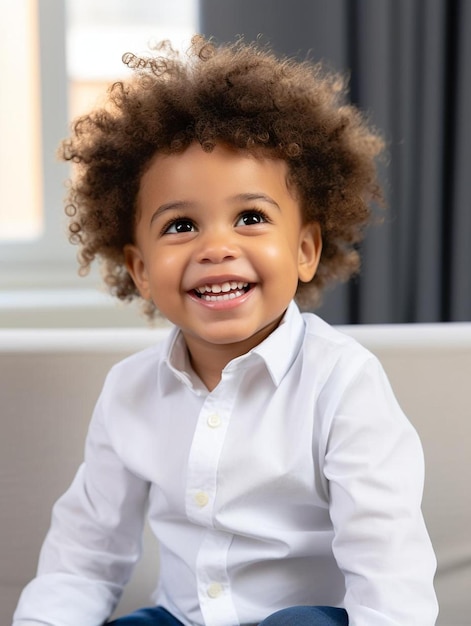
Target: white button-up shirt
297 480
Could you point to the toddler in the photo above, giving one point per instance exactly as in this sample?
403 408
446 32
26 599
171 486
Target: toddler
277 471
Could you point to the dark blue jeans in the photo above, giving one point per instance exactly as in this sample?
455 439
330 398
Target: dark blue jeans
293 616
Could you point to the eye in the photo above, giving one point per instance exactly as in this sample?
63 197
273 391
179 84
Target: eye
179 225
249 218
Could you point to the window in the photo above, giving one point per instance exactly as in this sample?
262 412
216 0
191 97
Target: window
99 33
57 57
20 148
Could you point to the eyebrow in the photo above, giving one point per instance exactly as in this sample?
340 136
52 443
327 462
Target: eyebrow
250 197
181 205
178 205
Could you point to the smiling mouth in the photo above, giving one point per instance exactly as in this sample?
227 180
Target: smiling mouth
220 292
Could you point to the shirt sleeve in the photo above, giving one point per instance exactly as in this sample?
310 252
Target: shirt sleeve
375 468
93 542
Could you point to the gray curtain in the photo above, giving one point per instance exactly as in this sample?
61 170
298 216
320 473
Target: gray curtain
410 69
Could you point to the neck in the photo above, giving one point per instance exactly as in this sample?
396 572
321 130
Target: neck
208 362
209 359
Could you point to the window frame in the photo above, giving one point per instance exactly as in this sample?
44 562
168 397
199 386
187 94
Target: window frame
48 260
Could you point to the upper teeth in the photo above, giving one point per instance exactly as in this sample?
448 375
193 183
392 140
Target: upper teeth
222 287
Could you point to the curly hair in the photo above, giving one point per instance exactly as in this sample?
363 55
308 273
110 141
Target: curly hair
240 95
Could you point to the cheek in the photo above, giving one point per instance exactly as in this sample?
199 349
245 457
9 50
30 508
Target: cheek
279 256
278 269
168 258
166 270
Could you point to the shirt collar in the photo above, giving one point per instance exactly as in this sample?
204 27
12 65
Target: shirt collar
177 362
281 347
278 352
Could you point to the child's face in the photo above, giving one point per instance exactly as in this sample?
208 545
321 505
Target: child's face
220 245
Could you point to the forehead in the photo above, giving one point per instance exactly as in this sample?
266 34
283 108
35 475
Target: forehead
223 171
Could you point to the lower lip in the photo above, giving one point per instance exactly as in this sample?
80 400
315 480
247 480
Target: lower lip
223 305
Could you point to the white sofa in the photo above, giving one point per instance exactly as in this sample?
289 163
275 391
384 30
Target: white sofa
50 379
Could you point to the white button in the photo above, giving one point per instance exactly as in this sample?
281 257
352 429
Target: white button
214 421
214 590
201 498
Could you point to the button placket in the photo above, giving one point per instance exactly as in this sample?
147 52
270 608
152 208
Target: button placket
205 452
213 584
214 589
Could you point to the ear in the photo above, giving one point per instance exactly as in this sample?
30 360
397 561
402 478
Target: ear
309 252
136 267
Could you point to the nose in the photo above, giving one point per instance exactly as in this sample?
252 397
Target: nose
216 247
